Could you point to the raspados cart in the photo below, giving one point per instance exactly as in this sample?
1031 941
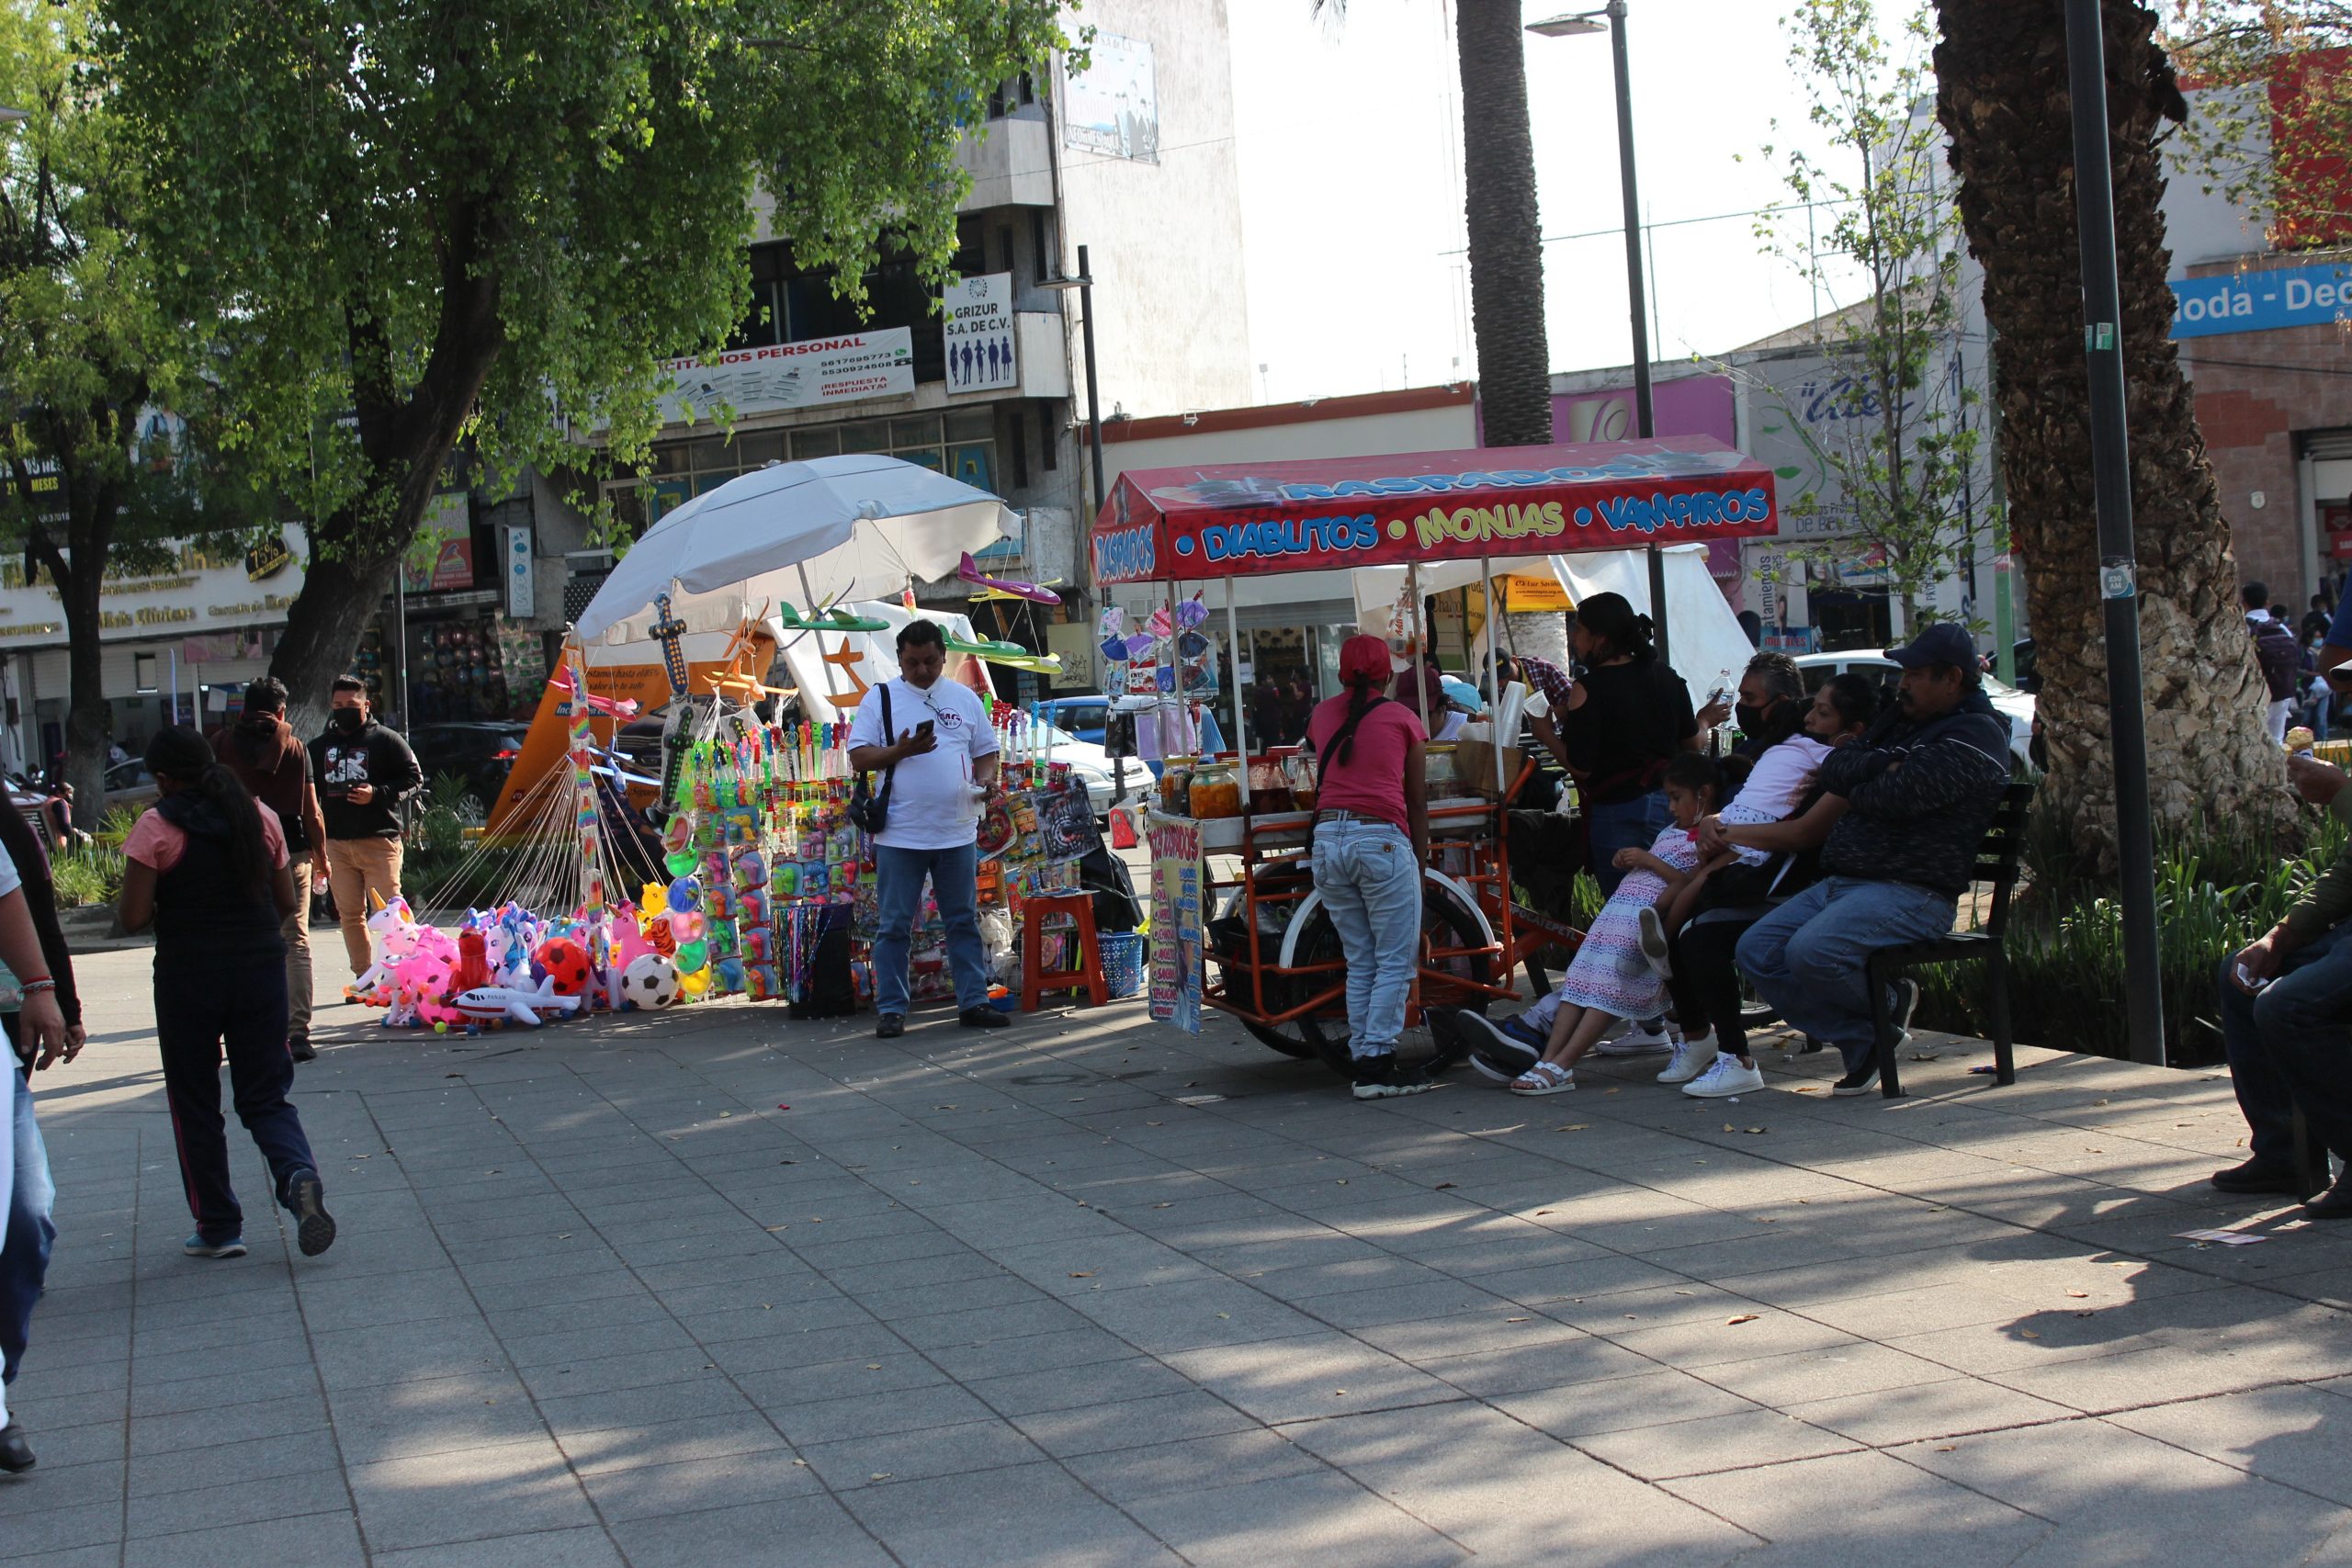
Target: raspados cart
1253 939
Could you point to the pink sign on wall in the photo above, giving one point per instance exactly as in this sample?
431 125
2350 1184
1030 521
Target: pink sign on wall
1688 405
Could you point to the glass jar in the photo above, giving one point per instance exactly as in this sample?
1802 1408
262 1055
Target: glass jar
1299 769
1176 786
1215 791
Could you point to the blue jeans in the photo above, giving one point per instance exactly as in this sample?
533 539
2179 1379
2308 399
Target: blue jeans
1372 885
24 1247
2289 1045
898 886
1807 957
1628 825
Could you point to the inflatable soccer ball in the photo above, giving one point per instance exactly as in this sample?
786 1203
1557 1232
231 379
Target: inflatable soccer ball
649 981
566 963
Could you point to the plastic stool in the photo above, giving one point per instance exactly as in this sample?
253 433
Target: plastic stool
1034 978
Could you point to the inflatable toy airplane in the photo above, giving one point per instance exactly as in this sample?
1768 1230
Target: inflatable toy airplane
626 708
489 1003
1035 594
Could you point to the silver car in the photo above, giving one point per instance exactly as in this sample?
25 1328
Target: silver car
1871 663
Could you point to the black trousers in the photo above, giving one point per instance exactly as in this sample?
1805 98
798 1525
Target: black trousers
1706 978
236 1006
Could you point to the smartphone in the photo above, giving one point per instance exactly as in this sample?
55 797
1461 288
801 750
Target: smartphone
924 727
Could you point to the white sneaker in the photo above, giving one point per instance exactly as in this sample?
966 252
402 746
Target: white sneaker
1726 1077
1687 1063
1653 946
1638 1040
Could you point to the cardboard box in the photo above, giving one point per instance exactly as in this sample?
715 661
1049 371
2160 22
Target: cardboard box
1473 762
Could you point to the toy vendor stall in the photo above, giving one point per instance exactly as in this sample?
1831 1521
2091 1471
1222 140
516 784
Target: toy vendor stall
1446 517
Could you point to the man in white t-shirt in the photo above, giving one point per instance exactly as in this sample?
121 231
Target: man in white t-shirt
931 740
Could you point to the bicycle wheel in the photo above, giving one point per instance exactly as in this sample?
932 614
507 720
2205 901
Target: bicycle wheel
1445 922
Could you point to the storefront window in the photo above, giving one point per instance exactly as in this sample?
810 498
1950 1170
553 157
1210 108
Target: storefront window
962 444
456 672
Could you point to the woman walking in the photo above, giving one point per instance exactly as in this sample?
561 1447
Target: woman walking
1371 836
45 1029
207 865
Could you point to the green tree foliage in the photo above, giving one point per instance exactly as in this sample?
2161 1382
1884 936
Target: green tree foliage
109 433
2273 128
487 221
1905 458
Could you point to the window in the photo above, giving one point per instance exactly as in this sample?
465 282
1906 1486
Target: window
1037 242
142 671
1050 456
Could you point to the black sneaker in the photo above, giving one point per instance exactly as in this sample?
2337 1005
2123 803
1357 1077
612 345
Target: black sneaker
314 1229
15 1454
2259 1176
302 1050
2335 1204
983 1018
1861 1080
890 1026
1495 1049
1906 1002
1380 1078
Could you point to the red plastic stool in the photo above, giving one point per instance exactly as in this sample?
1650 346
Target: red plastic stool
1034 978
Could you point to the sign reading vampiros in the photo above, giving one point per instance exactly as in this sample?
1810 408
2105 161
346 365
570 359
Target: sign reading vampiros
978 330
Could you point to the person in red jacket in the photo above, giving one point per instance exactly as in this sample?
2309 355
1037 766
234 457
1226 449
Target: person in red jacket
274 765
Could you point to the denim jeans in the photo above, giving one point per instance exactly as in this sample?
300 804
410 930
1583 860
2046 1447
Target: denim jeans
1807 957
1372 885
1628 825
2289 1046
24 1247
899 888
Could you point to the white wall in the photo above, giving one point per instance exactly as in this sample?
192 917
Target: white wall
1164 239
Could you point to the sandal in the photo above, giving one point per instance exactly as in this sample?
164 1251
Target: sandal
1544 1077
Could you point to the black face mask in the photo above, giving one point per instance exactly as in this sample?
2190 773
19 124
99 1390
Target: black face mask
1751 719
349 721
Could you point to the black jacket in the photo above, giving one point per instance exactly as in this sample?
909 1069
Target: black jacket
2275 650
1920 822
376 757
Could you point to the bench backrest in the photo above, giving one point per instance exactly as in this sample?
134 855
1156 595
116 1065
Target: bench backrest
2003 846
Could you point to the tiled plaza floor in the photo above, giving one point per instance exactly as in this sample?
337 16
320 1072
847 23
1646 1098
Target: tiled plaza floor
711 1288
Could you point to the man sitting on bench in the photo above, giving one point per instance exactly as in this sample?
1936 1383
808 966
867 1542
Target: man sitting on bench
2287 1024
1920 792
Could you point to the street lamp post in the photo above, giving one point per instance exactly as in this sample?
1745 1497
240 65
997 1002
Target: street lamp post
1611 18
2111 489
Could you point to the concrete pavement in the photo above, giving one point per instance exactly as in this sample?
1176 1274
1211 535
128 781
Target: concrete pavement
712 1288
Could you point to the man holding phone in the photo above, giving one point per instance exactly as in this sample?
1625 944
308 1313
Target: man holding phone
364 771
2286 999
932 742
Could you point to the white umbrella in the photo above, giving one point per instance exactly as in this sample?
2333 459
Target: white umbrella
822 529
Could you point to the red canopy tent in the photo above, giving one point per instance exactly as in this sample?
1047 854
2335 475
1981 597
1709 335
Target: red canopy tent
1332 513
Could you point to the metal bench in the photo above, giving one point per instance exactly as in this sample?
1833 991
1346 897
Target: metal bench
1996 863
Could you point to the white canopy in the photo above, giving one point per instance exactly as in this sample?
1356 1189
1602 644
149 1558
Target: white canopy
822 529
1704 638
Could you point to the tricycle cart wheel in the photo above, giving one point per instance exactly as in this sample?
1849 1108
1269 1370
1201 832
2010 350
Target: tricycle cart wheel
1444 923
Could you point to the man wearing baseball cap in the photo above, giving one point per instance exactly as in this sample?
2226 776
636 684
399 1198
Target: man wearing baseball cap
1904 811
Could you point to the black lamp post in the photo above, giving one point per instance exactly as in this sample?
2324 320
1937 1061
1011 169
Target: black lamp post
1610 19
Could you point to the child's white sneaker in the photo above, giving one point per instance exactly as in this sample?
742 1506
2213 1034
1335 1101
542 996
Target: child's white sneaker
1728 1076
1687 1063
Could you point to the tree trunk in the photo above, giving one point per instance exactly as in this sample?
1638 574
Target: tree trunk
2003 99
89 717
1506 235
340 596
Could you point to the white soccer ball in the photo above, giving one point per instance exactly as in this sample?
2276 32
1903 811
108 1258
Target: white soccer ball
649 981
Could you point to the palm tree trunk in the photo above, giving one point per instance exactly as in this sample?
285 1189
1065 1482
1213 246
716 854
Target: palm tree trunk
2003 99
1506 235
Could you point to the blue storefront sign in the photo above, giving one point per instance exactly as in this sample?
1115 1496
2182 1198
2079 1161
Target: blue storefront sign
2261 302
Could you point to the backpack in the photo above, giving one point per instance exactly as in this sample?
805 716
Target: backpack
2275 650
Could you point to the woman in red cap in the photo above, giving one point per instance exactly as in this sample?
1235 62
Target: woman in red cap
1371 836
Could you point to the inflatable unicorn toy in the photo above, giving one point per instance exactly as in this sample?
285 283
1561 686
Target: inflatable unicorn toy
391 937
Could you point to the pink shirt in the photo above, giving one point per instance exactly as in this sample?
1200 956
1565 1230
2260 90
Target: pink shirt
1372 780
156 843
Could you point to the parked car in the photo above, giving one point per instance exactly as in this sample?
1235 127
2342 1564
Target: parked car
2008 700
483 752
131 785
1081 716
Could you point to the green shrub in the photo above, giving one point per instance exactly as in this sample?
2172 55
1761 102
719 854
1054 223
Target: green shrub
83 877
115 826
2216 891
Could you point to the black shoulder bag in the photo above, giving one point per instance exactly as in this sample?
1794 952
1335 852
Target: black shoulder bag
870 808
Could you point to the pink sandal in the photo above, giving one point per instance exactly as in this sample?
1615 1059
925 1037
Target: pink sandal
1544 1077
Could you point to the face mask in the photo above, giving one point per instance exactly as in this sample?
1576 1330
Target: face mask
349 721
1751 719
